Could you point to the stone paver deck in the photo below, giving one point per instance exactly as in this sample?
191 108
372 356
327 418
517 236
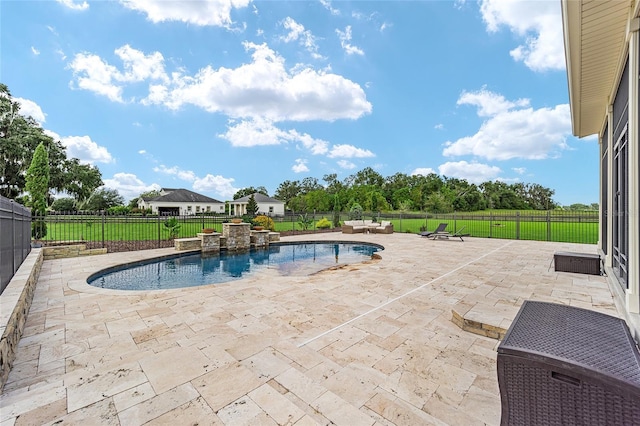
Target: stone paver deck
366 344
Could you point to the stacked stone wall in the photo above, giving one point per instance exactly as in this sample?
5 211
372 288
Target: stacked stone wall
15 302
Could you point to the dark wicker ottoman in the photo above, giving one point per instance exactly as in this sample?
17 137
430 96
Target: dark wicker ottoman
560 365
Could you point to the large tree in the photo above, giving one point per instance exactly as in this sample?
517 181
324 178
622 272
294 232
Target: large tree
250 190
102 199
19 138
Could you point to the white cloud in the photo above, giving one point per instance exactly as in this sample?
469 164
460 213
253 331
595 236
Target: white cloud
472 172
83 148
511 131
439 126
187 175
349 151
264 88
258 132
94 74
71 4
86 150
489 103
424 171
327 5
346 164
203 12
61 53
304 37
28 108
142 152
218 184
209 183
35 51
345 42
300 166
538 22
128 185
519 170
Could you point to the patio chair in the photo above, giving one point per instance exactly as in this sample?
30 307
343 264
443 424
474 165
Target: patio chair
446 235
439 230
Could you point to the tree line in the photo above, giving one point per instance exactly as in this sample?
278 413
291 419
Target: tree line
82 183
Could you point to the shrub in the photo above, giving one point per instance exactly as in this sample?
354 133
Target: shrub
305 221
265 221
323 223
38 229
356 212
172 226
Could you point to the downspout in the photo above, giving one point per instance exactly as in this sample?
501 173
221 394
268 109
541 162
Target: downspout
633 292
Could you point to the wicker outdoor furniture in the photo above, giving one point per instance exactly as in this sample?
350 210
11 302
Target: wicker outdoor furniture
561 365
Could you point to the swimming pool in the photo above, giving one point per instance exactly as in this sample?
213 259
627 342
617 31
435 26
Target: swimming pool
196 269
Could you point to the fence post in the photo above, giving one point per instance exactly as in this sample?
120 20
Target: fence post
158 229
491 224
548 225
517 225
103 223
455 222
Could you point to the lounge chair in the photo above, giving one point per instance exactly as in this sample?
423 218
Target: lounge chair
446 235
439 230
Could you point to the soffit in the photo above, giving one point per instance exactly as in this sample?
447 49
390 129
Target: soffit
594 32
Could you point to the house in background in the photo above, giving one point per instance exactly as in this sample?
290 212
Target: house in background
180 202
266 205
602 48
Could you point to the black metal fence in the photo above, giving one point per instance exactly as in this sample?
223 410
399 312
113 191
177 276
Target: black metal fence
15 238
137 232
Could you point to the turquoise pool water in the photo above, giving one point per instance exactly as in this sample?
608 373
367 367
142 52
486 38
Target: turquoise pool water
196 269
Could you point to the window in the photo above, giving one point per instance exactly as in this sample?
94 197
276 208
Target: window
188 208
270 209
197 209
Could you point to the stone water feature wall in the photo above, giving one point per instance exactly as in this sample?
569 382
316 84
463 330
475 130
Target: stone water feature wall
238 235
209 243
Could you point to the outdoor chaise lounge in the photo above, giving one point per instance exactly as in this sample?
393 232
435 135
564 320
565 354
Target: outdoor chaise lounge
442 234
440 229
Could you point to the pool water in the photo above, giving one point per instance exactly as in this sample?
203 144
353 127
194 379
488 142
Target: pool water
196 269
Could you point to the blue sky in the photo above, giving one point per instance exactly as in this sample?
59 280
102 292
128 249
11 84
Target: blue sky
219 95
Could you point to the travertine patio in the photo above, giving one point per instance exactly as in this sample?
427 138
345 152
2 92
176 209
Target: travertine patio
367 344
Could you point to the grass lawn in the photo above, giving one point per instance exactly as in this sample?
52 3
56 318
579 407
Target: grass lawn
529 225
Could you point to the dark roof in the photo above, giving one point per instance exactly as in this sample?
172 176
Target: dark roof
260 198
184 196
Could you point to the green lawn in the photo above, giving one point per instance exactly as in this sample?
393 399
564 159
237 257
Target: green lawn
529 225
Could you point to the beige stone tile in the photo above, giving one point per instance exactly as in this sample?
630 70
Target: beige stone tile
299 384
193 413
266 364
155 407
398 413
281 409
20 401
484 405
87 389
133 396
100 413
173 367
340 411
45 414
224 385
243 411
